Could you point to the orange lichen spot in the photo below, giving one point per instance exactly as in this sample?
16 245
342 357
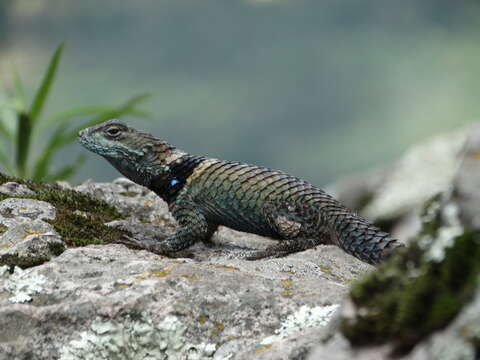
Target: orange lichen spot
202 319
192 277
286 283
122 286
148 203
262 349
226 267
220 326
161 273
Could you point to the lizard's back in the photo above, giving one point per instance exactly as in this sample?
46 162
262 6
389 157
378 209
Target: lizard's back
250 198
273 203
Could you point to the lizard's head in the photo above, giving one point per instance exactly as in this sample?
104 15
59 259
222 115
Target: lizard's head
137 155
112 139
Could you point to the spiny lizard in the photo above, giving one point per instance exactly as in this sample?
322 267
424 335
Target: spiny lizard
203 193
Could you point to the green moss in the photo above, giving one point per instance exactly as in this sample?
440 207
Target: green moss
22 261
408 298
56 248
76 230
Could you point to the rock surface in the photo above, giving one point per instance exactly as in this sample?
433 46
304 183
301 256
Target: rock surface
27 239
427 305
110 302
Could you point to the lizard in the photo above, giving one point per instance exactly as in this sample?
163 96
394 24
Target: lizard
203 193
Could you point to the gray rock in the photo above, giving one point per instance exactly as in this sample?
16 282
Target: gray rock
26 239
458 341
32 250
467 182
15 189
135 201
27 208
116 302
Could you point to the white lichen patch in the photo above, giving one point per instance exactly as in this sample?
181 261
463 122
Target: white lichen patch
138 338
4 271
446 234
22 284
304 317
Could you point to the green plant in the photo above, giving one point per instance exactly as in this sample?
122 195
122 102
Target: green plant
21 127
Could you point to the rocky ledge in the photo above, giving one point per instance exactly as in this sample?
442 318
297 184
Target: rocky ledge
67 291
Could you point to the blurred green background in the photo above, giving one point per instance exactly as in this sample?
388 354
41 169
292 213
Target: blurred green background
316 88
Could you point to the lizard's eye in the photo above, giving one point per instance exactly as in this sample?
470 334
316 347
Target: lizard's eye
113 131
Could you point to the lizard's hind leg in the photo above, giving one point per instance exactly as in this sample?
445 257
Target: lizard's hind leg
297 226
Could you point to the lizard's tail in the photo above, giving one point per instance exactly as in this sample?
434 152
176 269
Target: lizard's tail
357 236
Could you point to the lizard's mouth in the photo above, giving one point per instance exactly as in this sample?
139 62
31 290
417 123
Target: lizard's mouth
85 141
81 137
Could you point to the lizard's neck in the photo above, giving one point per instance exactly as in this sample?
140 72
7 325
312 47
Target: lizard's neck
170 182
153 160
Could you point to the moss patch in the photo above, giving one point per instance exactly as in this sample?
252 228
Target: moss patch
76 230
408 298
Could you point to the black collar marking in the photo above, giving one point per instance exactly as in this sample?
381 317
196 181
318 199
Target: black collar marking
170 183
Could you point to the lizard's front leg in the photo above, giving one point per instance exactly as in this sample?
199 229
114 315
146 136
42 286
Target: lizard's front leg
192 227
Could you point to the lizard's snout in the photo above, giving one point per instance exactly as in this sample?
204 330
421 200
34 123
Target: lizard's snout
82 132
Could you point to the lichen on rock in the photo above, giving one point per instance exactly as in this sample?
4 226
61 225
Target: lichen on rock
135 338
420 290
57 208
21 284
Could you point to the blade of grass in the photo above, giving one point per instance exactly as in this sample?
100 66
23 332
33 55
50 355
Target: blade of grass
26 121
129 108
141 114
20 98
62 137
44 89
40 169
23 142
69 114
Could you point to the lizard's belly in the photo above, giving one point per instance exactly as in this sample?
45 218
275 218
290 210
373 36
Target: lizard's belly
240 216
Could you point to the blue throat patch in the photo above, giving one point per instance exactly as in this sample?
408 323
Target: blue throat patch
169 182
